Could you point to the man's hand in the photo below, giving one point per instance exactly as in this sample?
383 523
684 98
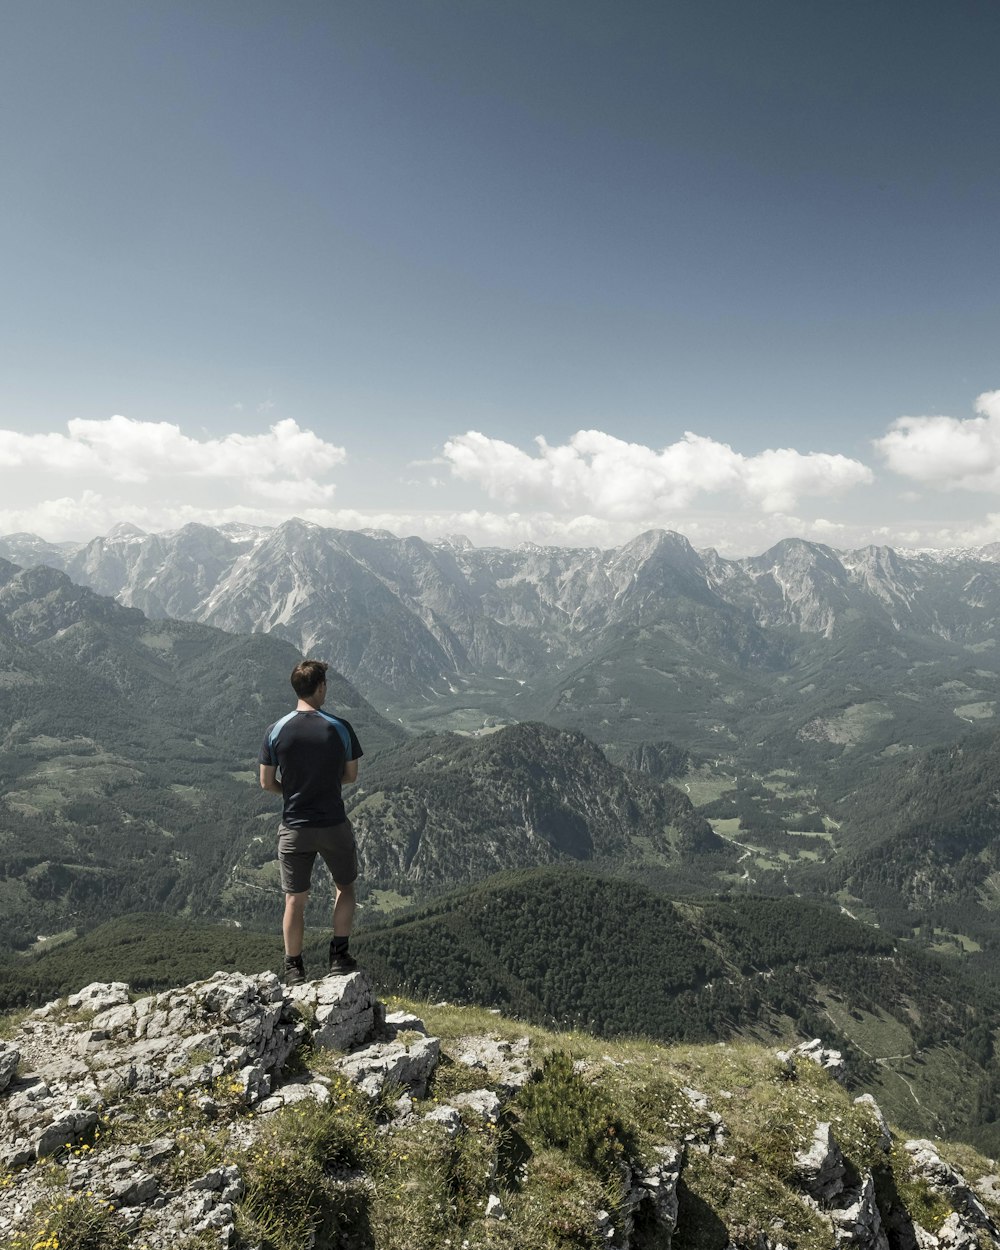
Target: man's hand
269 778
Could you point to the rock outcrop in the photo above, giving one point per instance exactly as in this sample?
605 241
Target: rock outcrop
98 1094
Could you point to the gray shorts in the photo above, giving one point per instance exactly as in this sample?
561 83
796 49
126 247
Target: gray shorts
298 848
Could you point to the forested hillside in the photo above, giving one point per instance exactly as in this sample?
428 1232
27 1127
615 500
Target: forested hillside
445 809
613 956
921 847
567 948
128 755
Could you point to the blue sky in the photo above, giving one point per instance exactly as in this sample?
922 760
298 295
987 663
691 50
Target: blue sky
351 260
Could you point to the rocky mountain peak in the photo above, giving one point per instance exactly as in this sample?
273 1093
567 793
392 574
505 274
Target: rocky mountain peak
408 620
195 531
41 602
800 555
379 534
661 544
296 525
124 531
458 542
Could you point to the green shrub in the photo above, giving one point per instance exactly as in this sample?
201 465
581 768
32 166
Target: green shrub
562 1111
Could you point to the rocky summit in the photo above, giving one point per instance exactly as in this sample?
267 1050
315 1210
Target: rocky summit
236 1112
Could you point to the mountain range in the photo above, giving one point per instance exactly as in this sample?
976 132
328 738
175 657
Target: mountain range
802 653
128 777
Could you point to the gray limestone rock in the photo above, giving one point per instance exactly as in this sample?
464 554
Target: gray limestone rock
240 1029
255 1082
10 1057
858 1222
885 1134
508 1064
956 1234
120 1081
989 1187
66 1129
115 1019
223 1180
133 1189
99 996
342 1007
820 1166
816 1052
403 1021
652 1196
291 1094
695 1097
450 1118
158 1150
389 1062
15 1152
482 1102
953 1185
402 1109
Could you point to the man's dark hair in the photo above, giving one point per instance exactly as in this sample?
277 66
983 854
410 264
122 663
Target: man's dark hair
307 677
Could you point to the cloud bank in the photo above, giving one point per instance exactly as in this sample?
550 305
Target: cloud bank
142 451
627 481
948 452
593 490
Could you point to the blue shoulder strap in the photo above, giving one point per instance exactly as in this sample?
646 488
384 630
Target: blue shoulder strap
272 737
341 728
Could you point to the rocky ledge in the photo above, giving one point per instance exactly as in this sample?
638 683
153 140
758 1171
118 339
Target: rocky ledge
149 1108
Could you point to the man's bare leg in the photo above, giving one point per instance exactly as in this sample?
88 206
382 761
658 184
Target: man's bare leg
343 911
293 925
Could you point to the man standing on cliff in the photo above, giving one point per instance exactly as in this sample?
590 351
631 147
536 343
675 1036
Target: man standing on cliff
314 753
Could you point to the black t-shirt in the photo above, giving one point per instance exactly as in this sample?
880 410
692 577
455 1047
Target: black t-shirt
310 750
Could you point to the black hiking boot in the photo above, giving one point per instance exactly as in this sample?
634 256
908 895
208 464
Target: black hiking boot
295 973
342 963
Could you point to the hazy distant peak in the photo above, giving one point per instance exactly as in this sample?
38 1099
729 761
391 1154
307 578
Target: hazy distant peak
872 557
237 532
386 535
125 529
296 523
799 547
197 528
660 540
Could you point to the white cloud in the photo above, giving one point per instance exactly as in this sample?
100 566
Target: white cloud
626 481
294 493
593 490
143 451
948 452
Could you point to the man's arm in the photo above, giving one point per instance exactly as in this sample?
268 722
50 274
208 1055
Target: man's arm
269 778
350 772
